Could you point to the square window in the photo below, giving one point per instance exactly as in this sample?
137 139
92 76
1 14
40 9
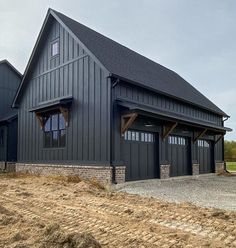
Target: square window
129 135
62 123
54 131
137 136
47 124
55 48
126 135
55 139
62 138
133 136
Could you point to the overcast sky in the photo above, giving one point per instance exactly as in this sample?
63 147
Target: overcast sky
195 38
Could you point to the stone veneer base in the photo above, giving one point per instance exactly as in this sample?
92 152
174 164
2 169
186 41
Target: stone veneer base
2 165
103 173
8 166
219 167
195 169
164 171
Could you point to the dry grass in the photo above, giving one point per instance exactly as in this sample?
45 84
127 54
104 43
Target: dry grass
65 179
51 212
226 173
15 175
54 237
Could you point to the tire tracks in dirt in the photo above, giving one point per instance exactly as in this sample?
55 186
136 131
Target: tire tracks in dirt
114 222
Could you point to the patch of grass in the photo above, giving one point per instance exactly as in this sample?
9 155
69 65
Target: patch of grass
231 166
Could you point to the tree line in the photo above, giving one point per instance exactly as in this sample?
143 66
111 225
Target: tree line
230 150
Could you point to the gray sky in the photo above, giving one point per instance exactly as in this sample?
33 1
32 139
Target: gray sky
195 38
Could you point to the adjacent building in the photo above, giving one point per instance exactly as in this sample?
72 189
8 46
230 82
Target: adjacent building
90 106
10 80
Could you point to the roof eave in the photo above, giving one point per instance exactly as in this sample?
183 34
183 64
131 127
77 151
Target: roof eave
223 114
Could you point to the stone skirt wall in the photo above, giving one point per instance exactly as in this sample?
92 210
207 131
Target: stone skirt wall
103 174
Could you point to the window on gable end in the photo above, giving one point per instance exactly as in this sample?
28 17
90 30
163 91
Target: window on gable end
55 48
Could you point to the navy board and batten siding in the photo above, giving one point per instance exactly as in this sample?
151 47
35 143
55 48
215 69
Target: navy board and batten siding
73 72
9 82
126 91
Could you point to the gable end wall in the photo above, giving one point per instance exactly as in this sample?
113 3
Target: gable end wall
72 72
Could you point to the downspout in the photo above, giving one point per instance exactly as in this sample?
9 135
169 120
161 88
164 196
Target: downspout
223 153
6 154
113 85
223 145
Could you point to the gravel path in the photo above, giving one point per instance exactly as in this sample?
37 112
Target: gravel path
204 190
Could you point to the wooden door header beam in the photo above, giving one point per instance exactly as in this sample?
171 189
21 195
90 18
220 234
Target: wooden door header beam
168 129
126 121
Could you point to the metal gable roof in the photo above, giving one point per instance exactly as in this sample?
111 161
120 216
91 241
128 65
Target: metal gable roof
127 64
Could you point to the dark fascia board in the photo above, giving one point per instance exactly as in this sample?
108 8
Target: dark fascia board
5 61
180 118
54 15
162 93
51 104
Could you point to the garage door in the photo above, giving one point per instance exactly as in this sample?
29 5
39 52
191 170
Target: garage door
179 156
140 155
205 156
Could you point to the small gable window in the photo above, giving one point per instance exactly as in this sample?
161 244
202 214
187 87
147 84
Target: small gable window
54 130
55 48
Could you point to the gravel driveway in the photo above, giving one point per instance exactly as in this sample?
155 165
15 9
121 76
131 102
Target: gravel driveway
204 190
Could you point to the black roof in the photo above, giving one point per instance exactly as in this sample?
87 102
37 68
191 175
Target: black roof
127 64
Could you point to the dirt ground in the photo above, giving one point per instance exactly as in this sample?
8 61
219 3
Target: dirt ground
65 213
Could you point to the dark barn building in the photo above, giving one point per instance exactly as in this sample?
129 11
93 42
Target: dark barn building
92 107
10 80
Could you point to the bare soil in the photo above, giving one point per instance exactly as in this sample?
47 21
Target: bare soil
62 212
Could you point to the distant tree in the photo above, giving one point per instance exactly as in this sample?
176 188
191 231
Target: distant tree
230 150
